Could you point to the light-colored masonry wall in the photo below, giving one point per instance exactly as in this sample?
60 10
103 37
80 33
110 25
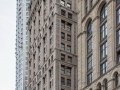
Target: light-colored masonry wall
112 67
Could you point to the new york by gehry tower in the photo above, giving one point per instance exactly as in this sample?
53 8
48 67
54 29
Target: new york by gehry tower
22 15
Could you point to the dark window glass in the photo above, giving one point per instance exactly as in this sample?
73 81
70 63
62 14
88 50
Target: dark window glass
89 29
62 35
103 31
118 57
118 37
68 71
103 13
86 6
91 3
106 85
70 15
63 24
63 57
89 45
63 12
68 37
68 48
62 69
103 67
68 82
118 16
89 78
117 2
89 62
62 81
116 80
104 50
62 46
99 87
69 59
69 27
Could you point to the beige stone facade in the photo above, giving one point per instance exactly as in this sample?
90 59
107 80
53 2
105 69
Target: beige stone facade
104 45
53 45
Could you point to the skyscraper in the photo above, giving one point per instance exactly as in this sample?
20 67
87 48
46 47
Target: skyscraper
99 45
53 45
22 15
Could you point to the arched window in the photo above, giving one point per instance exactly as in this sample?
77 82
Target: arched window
99 86
89 52
106 85
103 40
116 80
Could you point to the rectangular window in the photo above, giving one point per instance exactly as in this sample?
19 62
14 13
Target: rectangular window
62 69
89 45
62 2
86 6
68 71
62 24
91 3
62 35
62 12
63 57
117 2
89 63
69 27
68 37
118 37
103 67
68 48
62 81
103 31
69 5
68 82
118 16
69 59
62 46
103 50
50 84
70 15
89 78
118 57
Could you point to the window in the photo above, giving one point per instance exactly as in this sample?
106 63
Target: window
63 24
63 57
69 59
118 37
62 46
62 35
116 80
69 27
89 63
70 15
62 2
62 69
106 85
68 48
118 57
68 82
68 71
50 84
117 2
68 37
86 6
99 87
103 31
50 73
63 12
89 45
89 78
103 67
104 50
69 5
118 16
103 13
62 81
91 3
89 29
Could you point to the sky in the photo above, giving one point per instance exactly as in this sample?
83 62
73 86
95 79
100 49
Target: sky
7 44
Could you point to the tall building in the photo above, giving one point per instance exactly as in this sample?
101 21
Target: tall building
53 45
22 15
99 45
